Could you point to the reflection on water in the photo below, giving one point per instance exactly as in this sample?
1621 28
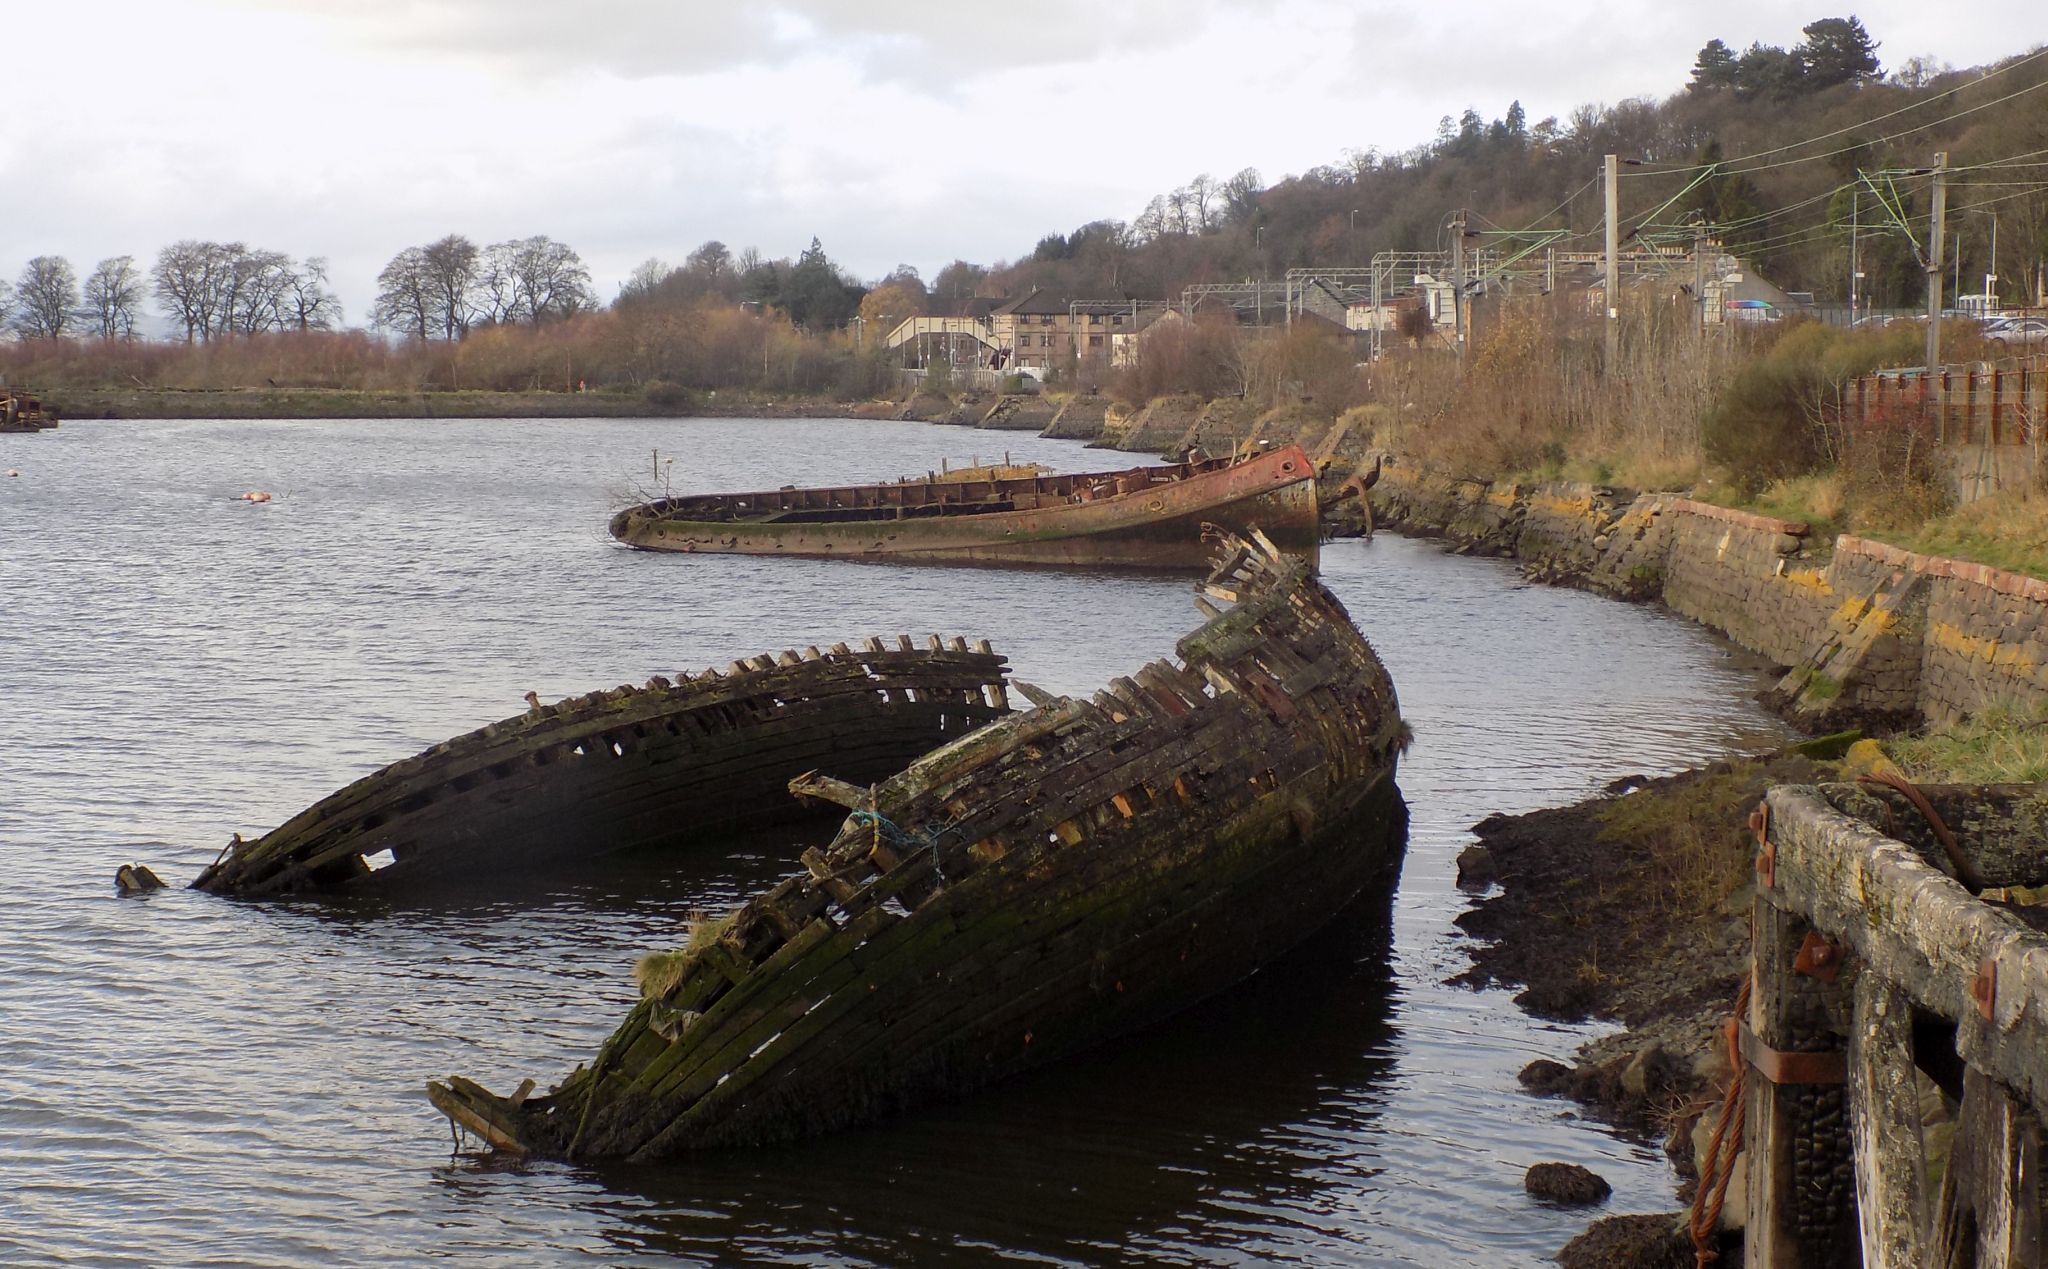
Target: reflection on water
193 1080
1129 1150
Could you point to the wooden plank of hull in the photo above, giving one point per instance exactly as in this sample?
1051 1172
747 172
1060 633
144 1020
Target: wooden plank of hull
1159 526
629 768
960 930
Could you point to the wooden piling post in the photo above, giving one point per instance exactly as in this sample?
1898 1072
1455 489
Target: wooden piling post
1991 1193
1884 1115
1801 1195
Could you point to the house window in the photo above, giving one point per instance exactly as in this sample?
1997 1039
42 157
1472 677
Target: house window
1045 341
1117 320
1045 319
1095 319
1095 341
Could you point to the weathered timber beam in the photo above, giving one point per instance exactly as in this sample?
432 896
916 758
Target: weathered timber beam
978 747
1921 930
1990 1214
1884 1117
823 788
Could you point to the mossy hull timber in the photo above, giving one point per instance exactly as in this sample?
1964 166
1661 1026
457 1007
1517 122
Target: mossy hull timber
1142 517
707 754
1056 878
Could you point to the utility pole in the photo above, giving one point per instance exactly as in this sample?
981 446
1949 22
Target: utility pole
1934 236
1855 265
1458 283
1611 177
1699 279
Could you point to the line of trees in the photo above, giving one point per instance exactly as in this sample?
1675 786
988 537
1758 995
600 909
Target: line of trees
451 286
1835 51
212 289
219 289
815 292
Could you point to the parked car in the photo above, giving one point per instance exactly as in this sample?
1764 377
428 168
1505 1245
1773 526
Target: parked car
2022 332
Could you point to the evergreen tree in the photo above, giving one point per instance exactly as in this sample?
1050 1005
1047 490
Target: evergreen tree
813 295
1716 67
1836 51
1769 71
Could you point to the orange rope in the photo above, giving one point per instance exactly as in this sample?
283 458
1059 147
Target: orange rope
1712 1191
1966 872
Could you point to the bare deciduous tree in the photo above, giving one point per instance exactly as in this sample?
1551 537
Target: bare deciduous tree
452 265
113 293
405 294
1153 221
1241 194
187 285
259 281
548 279
497 285
1204 202
644 281
47 295
713 260
1919 71
308 303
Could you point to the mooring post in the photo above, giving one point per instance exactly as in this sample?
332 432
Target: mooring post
1802 1210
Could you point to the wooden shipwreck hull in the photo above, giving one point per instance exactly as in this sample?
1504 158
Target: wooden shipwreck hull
1056 878
1143 517
22 412
631 767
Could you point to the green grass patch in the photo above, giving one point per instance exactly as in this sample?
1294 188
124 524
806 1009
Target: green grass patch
1995 746
1693 836
2009 531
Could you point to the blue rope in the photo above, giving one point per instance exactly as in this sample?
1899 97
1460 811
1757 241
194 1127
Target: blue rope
914 838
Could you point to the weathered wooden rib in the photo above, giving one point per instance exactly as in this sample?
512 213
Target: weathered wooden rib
1055 878
631 767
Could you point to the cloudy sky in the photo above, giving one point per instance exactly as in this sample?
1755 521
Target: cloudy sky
894 130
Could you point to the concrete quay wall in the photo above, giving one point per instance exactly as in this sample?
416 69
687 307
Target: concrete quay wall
1868 633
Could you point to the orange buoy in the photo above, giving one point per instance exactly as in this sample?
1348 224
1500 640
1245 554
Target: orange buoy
255 495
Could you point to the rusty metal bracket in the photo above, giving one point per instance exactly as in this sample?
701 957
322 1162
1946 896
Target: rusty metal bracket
1780 1067
1767 858
1818 958
1984 987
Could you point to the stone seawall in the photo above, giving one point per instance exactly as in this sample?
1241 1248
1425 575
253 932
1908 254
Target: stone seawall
1868 633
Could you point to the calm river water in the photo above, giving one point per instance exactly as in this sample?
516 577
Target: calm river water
186 1080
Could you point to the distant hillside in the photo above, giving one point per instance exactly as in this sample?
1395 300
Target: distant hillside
1792 130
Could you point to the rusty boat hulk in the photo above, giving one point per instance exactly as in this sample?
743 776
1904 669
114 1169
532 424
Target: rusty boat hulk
630 767
23 412
1142 517
1056 878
